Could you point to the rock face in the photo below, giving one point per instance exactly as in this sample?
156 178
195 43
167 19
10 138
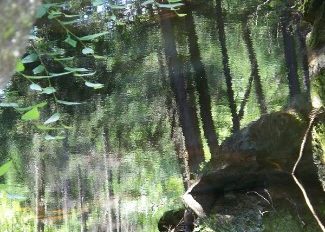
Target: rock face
16 19
266 141
314 13
176 220
258 158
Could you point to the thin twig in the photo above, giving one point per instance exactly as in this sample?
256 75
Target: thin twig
311 122
313 115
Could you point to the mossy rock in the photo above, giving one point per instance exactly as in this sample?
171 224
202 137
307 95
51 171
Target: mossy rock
318 89
266 140
309 8
170 219
251 213
314 12
318 134
286 221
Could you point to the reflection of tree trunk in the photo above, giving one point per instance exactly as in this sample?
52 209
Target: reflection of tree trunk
112 199
177 80
201 83
180 150
304 58
81 196
40 194
65 205
225 61
108 211
254 67
290 56
119 205
175 131
245 99
119 208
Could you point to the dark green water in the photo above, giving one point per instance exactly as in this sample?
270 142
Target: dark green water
171 88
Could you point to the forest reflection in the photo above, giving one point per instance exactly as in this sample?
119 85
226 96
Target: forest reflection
175 86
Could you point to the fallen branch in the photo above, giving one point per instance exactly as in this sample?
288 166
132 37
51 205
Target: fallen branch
313 116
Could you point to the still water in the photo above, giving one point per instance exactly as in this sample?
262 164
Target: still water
131 115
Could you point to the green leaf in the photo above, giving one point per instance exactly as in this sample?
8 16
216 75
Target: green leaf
87 51
113 17
8 104
47 128
31 115
70 22
71 16
118 7
30 58
97 2
54 14
39 69
50 137
41 11
49 90
147 2
64 58
67 127
35 87
59 74
100 57
68 103
170 6
39 105
55 117
94 85
76 69
5 168
20 66
45 77
84 74
71 41
93 36
181 15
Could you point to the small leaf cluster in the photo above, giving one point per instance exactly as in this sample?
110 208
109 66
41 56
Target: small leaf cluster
41 76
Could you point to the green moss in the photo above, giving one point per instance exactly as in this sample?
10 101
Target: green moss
308 8
317 37
318 89
319 141
284 221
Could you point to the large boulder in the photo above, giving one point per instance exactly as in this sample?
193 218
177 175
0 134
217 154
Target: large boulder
258 158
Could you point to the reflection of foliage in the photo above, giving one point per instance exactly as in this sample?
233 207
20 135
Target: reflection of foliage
13 217
43 56
70 52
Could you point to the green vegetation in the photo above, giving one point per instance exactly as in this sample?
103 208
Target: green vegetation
115 108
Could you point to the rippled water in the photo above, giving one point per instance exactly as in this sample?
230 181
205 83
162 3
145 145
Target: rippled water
174 87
